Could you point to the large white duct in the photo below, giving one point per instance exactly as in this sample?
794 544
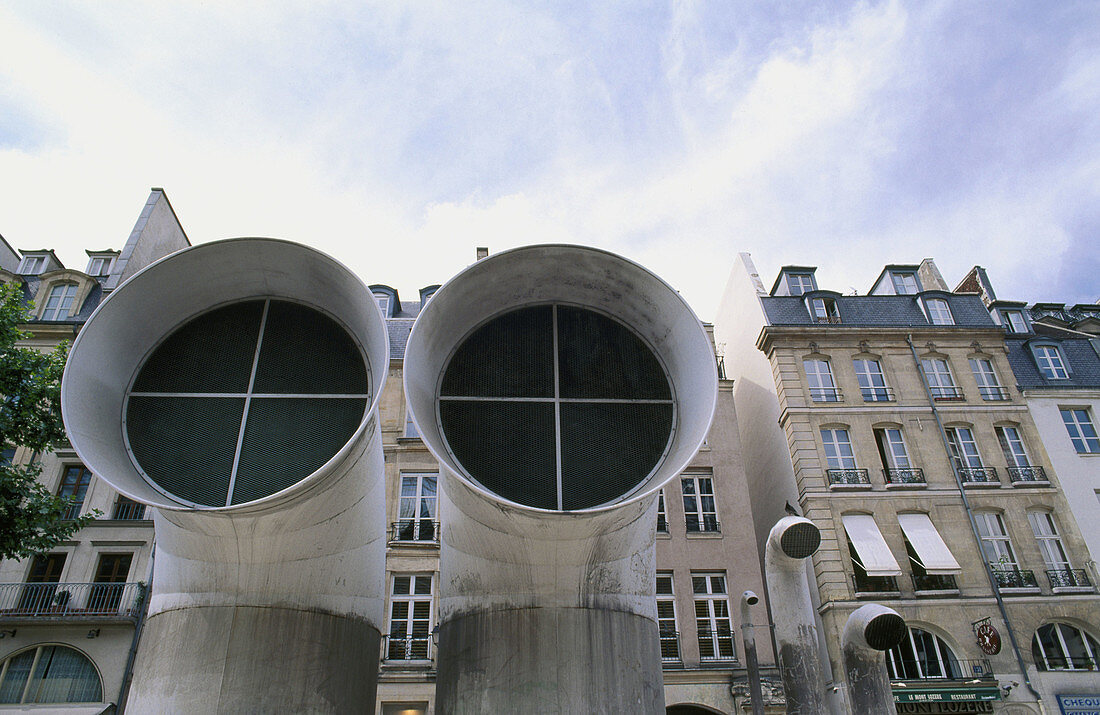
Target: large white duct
560 387
870 630
234 386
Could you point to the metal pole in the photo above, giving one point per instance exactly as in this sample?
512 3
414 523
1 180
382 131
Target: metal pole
748 598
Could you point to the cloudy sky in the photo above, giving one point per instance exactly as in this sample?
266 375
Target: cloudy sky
398 136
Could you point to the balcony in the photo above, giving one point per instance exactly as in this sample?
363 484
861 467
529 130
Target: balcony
1027 476
877 394
979 476
1068 579
939 669
71 601
947 394
848 478
903 476
875 584
991 393
670 647
127 510
717 646
826 394
400 648
706 525
1015 578
415 531
928 582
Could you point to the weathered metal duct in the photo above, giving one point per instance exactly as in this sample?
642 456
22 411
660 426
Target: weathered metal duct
559 387
870 630
234 386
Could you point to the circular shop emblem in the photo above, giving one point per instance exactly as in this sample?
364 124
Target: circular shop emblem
989 639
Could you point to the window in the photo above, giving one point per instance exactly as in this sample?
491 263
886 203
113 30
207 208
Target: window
838 449
128 509
410 618
933 565
989 387
996 545
712 616
823 310
700 510
60 302
100 265
891 448
1012 445
1081 430
1060 646
905 283
666 618
383 300
964 450
410 426
872 383
7 456
416 508
1049 360
874 567
940 381
1015 321
110 582
32 265
1050 542
799 283
41 586
819 376
939 313
922 655
74 485
49 674
662 515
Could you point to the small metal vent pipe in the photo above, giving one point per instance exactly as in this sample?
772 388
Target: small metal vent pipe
560 387
870 630
792 540
234 387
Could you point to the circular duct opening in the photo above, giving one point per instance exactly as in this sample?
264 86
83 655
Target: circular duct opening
556 407
884 631
244 401
800 540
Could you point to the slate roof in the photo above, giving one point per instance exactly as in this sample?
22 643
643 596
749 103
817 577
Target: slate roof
1081 357
878 310
399 326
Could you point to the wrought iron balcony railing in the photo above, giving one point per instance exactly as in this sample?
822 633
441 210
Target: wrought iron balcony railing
874 584
126 510
937 669
1027 475
826 394
1062 662
1015 578
708 524
670 646
716 646
991 393
979 475
423 531
71 600
946 393
877 394
903 475
1068 578
930 582
406 648
848 476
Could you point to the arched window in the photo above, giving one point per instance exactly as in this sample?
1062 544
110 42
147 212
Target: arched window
922 655
49 674
1060 646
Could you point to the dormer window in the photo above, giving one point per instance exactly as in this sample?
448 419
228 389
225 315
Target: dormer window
100 265
1014 320
938 311
383 300
32 265
1049 360
824 310
799 283
59 304
905 283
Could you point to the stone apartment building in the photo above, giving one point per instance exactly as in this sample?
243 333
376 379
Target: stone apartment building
893 420
81 604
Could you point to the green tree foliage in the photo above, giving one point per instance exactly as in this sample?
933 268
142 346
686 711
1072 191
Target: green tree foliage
30 416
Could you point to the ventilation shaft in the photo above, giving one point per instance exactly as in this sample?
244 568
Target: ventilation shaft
870 630
234 387
559 387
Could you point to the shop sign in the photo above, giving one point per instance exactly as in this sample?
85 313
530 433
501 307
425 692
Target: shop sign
970 695
1079 704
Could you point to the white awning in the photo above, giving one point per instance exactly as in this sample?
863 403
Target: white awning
927 542
870 546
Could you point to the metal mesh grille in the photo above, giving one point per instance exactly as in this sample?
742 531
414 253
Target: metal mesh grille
800 540
602 420
885 631
509 446
188 444
607 449
510 356
210 354
601 358
287 439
